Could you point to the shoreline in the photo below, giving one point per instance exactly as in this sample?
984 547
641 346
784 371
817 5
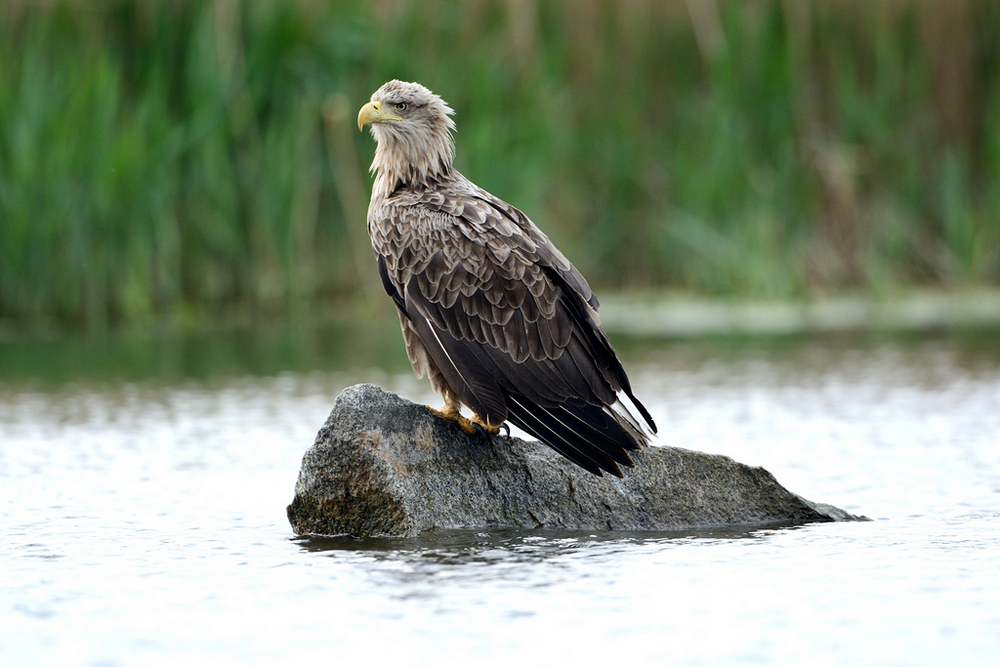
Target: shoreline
679 316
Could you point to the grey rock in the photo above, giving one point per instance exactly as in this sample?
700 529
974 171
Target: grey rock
383 466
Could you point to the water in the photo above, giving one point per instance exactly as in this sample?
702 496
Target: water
143 523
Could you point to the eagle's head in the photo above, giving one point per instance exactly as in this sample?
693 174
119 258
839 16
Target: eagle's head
413 128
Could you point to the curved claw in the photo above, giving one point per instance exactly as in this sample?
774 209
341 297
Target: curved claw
450 412
469 425
483 426
505 429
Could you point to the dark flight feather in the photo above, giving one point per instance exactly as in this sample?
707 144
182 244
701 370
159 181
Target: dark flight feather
495 315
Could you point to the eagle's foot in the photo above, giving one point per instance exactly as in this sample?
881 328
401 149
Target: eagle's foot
471 426
477 421
451 413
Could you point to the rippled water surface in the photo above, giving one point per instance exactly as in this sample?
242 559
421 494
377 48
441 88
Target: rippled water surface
144 523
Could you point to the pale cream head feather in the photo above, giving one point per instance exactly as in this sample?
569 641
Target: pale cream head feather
413 128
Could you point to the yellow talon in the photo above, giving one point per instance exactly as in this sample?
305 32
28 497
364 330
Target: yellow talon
492 430
444 413
466 425
451 413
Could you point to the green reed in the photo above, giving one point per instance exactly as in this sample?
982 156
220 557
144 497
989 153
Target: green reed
196 157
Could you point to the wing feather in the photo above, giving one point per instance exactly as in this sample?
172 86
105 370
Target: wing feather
509 323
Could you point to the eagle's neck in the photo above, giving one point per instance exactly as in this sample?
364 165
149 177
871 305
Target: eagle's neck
410 159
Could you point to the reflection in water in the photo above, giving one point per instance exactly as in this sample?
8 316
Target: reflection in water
456 546
436 565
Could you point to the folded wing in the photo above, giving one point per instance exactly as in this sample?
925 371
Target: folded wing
508 322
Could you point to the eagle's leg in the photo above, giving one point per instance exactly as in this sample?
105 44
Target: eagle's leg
452 412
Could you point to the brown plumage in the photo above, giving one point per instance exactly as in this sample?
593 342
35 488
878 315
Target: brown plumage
491 311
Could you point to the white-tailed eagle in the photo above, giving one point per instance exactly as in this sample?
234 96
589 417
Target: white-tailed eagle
491 311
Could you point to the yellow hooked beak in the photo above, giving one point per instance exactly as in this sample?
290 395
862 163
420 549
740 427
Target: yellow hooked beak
372 113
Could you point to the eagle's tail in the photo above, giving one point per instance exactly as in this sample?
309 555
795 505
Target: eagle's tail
596 438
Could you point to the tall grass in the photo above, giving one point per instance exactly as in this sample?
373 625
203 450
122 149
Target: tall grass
176 157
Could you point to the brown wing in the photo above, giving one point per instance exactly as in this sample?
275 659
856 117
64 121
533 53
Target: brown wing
507 320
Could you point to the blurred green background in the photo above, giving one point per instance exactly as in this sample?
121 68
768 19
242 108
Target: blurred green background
189 161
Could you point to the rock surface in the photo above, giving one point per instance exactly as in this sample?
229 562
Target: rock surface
382 465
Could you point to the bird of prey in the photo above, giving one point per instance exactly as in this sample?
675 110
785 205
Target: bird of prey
491 311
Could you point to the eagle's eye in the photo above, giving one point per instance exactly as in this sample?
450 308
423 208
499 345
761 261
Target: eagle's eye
400 105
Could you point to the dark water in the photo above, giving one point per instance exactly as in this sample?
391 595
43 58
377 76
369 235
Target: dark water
143 518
